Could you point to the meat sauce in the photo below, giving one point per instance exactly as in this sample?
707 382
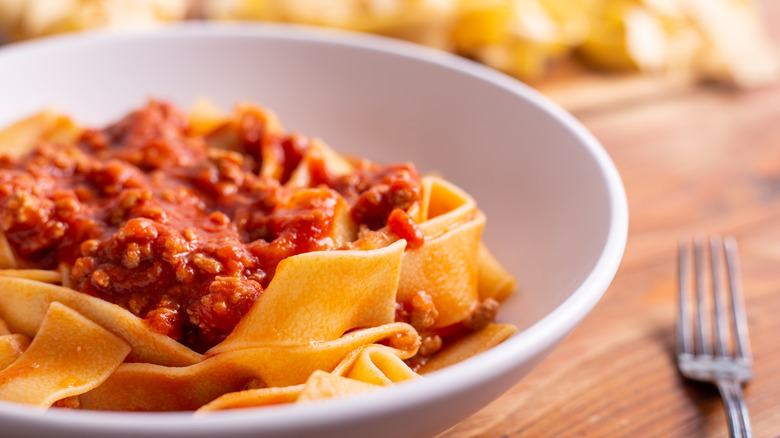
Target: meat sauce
146 215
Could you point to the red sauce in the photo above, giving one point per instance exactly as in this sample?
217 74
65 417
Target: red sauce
402 225
183 235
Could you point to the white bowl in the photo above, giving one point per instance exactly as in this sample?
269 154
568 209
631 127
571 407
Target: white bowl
556 208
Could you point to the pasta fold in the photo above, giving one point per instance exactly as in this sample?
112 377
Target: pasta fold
321 385
318 151
42 275
23 306
446 269
317 297
253 398
70 355
4 330
494 280
365 368
21 137
8 259
468 346
141 387
376 364
11 347
443 206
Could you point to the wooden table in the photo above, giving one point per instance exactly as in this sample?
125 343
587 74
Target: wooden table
703 160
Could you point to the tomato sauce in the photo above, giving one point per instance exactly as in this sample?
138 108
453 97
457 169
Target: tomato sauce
150 216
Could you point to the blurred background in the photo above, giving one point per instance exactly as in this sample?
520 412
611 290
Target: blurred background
636 46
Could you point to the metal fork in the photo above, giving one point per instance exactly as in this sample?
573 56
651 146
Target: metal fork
729 364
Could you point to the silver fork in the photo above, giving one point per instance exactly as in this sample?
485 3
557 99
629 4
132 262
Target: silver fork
729 364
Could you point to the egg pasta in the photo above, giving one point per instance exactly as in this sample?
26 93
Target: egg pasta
205 261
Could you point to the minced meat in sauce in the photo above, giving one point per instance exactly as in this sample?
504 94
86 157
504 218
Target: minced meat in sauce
187 237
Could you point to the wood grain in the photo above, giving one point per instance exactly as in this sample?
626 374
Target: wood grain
699 161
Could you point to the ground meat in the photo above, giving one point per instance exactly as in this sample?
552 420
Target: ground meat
221 307
375 192
431 344
482 315
423 311
404 341
402 225
183 235
152 138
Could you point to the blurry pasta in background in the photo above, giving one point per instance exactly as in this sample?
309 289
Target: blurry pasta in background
211 261
24 19
723 40
689 40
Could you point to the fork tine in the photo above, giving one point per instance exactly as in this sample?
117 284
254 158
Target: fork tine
728 370
721 320
739 320
703 328
684 340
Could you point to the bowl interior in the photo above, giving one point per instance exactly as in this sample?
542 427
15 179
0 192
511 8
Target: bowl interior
555 207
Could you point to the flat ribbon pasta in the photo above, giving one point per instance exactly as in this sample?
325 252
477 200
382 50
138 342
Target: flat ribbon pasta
317 297
222 132
365 368
335 164
376 364
253 398
11 347
468 346
4 330
8 259
443 206
42 275
494 281
69 356
24 135
446 269
323 326
23 306
321 385
139 386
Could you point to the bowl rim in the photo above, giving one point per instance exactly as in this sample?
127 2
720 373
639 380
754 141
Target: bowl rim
500 360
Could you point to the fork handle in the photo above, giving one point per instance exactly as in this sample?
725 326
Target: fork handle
736 410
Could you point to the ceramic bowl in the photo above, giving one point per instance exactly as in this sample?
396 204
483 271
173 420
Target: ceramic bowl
555 205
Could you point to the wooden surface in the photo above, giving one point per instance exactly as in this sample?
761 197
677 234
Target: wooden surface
704 161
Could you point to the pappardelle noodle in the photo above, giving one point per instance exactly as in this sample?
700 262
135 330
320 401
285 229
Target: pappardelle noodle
206 260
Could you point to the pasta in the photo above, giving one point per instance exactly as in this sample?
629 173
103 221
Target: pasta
211 261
